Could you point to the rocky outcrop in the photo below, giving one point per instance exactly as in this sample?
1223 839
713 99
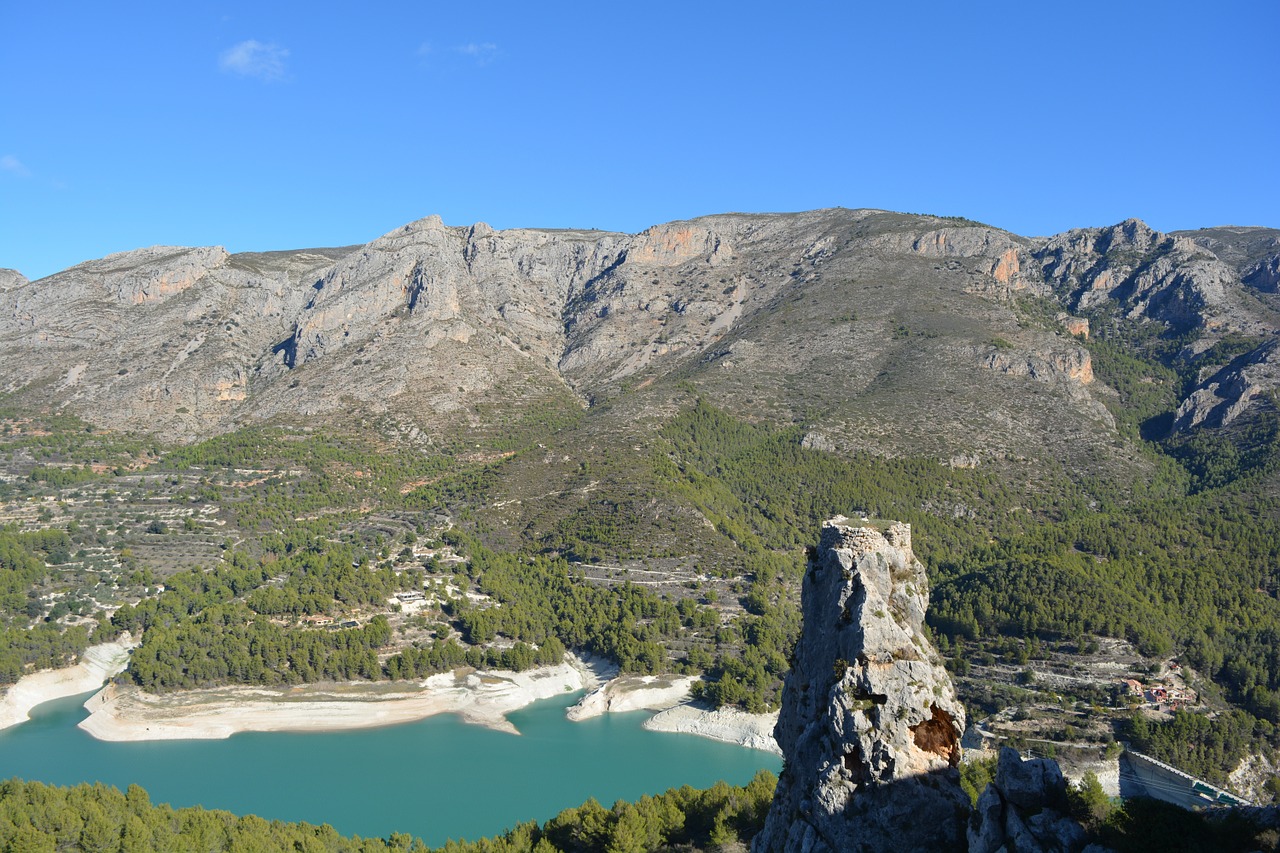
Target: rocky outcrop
168 339
1251 776
1003 265
1077 327
870 725
1253 252
1143 274
146 276
1024 809
442 331
442 282
1264 274
10 279
1232 390
1070 364
669 245
1062 364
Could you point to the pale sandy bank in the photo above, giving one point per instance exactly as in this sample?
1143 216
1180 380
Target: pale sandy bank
129 714
726 724
669 695
126 713
97 664
633 693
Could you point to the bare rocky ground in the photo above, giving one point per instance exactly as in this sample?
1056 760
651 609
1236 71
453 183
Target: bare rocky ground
900 333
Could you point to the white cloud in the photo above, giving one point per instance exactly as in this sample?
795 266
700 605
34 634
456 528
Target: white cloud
12 165
482 52
425 49
252 58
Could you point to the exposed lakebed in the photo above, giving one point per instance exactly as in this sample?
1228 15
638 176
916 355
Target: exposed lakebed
437 778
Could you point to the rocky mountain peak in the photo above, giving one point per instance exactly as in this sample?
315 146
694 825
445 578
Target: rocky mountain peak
151 275
1254 252
10 279
428 322
1133 232
870 724
1143 274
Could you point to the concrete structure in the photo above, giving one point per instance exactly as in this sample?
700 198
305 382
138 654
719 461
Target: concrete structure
1144 776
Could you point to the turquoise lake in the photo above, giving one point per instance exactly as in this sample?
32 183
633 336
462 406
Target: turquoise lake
437 779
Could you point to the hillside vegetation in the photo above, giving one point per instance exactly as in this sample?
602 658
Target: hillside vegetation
460 447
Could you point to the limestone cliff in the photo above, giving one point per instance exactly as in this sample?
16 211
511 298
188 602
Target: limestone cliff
1253 252
870 725
1146 275
921 332
1229 392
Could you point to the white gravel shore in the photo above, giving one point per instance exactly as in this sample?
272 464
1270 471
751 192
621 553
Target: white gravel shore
669 696
96 665
126 713
484 698
726 724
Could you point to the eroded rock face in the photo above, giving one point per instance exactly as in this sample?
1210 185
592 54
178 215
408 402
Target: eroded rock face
1004 260
1264 274
1024 809
1254 252
901 320
1231 391
870 725
11 278
1147 274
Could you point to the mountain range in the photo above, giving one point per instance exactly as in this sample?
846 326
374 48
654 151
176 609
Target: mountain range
894 333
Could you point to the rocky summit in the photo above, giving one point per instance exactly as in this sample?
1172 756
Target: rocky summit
870 725
863 324
1025 809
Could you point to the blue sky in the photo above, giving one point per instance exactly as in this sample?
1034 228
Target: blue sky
283 125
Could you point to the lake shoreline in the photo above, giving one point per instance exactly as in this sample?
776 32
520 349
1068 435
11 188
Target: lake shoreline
483 698
437 778
753 731
97 664
126 713
668 697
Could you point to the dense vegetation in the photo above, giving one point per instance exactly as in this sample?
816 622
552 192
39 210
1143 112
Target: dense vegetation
23 566
1207 747
24 559
35 818
1194 575
216 626
43 646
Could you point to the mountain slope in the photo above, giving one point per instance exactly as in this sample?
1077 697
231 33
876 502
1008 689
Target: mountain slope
900 334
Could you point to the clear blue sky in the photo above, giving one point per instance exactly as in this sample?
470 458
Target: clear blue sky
282 125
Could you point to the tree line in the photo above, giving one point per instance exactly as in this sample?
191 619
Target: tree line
39 818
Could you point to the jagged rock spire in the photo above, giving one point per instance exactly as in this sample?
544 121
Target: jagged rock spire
870 724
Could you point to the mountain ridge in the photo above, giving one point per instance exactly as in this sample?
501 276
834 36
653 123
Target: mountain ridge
860 322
